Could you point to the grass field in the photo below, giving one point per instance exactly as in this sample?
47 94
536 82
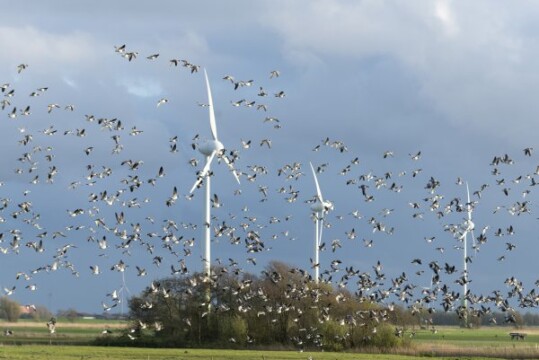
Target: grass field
31 340
490 336
487 341
37 352
80 332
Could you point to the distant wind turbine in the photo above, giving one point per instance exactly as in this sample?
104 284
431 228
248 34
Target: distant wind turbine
468 227
320 207
122 293
210 149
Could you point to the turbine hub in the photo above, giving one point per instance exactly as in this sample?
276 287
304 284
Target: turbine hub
210 146
320 206
469 225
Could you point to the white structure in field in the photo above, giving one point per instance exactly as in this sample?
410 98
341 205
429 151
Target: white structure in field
210 149
468 227
320 208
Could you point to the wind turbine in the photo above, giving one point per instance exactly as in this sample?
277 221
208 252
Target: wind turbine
468 227
210 149
320 207
122 292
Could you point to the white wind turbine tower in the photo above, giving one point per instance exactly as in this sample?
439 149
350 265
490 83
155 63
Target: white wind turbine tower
468 227
320 207
210 149
122 293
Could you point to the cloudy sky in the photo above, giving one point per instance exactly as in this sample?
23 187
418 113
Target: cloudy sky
453 80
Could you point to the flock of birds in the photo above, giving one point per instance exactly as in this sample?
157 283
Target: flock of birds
118 191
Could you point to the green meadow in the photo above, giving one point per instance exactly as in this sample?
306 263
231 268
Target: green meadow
79 332
72 340
40 352
486 336
491 342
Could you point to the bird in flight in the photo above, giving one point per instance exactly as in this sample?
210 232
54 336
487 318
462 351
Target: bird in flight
21 67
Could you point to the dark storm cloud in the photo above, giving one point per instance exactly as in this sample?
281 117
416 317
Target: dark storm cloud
443 78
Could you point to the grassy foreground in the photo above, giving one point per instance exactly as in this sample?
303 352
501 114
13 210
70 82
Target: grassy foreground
40 352
81 332
31 340
485 336
492 342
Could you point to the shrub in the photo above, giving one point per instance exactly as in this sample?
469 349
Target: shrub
233 329
332 336
385 338
10 309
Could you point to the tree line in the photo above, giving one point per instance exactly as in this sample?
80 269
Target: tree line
282 307
12 311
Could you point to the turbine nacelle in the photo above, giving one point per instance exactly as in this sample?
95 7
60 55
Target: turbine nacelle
209 147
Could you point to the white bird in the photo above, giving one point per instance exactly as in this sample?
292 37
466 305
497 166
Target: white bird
141 271
119 48
415 156
13 113
51 107
9 292
51 326
95 269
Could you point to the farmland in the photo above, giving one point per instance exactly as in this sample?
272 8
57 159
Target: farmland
80 332
31 340
81 352
487 341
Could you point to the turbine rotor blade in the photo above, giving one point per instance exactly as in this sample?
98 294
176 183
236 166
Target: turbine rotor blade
231 167
469 205
213 126
318 192
470 217
204 172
